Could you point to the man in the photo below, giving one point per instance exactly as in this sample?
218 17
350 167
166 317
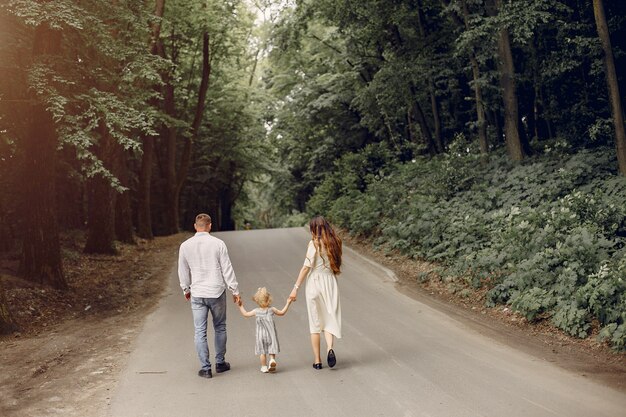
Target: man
204 272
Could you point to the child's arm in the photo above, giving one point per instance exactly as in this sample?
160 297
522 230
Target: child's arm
244 312
284 310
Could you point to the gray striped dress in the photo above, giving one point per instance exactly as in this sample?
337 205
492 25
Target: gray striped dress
266 336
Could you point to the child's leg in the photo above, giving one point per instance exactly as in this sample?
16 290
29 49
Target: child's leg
263 358
272 364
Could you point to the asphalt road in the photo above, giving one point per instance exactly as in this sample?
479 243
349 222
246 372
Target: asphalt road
398 357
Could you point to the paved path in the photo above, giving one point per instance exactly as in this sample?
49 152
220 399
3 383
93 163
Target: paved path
398 357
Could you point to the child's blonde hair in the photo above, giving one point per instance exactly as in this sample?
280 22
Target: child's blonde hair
262 297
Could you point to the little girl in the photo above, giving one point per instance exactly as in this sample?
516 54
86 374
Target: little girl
266 336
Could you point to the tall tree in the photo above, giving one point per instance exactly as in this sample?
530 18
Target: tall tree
102 197
612 83
41 251
514 144
124 231
434 102
177 167
101 200
144 212
481 122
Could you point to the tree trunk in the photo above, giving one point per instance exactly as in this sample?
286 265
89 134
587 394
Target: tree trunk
123 218
544 130
175 178
483 141
428 137
437 119
611 80
41 251
171 199
431 86
70 195
123 212
101 217
514 144
7 325
409 126
144 211
101 201
226 211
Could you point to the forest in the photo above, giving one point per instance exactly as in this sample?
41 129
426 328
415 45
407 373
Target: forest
486 136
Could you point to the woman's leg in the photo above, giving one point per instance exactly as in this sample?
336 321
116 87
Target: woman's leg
315 344
329 340
263 360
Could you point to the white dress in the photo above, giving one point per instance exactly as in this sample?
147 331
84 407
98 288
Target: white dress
322 294
266 335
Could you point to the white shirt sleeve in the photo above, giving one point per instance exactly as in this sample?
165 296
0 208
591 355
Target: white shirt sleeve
227 271
184 272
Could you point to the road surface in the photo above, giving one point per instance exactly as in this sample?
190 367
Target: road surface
398 357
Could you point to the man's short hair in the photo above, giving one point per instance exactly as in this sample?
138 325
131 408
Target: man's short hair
203 220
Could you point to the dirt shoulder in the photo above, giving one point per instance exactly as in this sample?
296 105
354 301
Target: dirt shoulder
588 357
71 345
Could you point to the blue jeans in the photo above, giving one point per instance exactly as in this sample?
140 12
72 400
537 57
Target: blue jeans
200 308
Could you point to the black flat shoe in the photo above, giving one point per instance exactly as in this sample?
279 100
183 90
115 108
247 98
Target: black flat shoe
205 373
332 360
317 366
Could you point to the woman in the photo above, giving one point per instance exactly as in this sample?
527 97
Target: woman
321 266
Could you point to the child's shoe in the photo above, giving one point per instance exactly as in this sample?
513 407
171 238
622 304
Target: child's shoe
273 364
264 369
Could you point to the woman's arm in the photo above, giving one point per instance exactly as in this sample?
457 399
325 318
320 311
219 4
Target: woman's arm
244 312
304 272
284 310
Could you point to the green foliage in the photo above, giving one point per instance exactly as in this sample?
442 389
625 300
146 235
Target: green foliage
99 81
572 319
538 235
57 14
533 303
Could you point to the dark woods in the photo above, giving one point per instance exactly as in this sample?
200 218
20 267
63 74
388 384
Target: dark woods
117 118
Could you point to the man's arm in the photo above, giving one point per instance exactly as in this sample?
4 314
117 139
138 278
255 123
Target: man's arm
184 274
228 273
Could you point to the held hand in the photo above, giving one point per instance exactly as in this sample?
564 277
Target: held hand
293 295
237 299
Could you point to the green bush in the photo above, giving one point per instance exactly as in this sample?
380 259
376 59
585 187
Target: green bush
533 302
538 233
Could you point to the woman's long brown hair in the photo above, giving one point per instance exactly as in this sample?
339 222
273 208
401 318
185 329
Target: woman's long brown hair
323 234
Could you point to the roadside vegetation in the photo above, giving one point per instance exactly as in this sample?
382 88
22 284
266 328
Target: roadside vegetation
547 237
